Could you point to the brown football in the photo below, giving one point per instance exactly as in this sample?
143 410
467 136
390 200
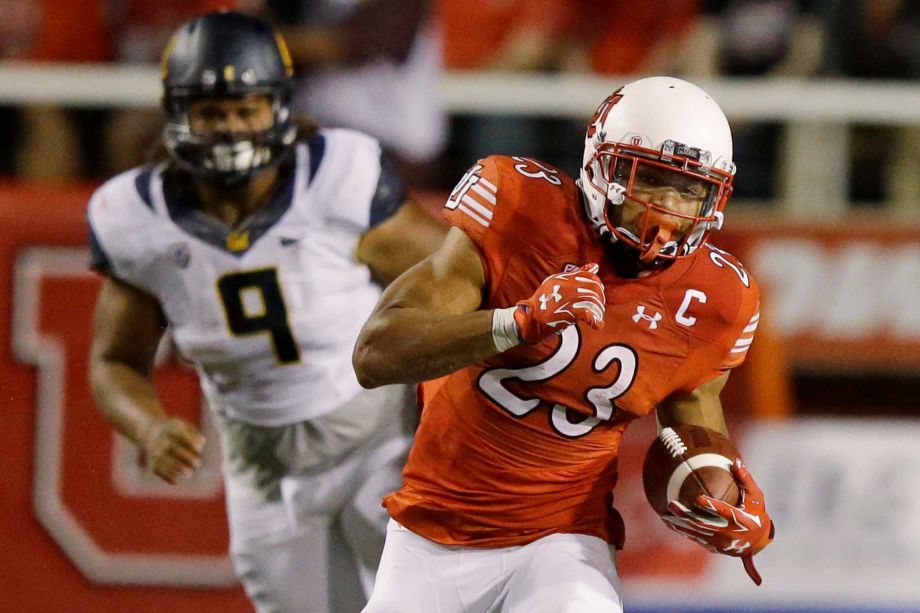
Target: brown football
686 461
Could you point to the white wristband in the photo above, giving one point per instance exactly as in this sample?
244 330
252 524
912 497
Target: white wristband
504 329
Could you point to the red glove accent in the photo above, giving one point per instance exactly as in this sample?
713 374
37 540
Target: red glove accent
562 299
740 531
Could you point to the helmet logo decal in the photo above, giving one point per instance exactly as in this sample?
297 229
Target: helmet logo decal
600 115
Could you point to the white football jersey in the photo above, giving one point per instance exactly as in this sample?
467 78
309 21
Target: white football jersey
269 312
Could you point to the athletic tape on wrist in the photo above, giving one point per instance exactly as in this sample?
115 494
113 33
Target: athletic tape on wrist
504 329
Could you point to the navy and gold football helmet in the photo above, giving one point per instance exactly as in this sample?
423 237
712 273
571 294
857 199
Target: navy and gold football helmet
226 55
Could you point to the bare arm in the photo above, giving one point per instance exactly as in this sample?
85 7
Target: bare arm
126 332
428 322
127 329
700 407
400 242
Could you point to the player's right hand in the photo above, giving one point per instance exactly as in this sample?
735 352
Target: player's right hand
172 449
741 531
562 299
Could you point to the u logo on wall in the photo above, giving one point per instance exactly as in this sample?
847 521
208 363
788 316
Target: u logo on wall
115 521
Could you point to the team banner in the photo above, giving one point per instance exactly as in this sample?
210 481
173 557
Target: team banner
839 298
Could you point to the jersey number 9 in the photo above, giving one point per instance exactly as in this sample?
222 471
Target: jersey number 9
263 313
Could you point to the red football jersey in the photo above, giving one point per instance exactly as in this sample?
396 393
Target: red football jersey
525 444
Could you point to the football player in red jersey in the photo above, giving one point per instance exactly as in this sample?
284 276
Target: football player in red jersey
506 500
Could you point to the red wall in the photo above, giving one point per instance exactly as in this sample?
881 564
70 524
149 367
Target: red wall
68 442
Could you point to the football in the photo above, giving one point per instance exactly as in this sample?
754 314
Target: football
686 461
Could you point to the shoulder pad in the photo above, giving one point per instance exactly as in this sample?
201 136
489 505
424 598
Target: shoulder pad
345 182
124 201
517 197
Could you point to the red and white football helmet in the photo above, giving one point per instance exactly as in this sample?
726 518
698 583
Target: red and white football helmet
673 126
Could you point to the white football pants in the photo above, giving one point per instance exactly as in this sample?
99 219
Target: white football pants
560 573
306 524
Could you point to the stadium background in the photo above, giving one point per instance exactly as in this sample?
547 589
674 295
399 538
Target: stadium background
827 217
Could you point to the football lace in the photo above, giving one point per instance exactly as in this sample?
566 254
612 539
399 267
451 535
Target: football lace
672 442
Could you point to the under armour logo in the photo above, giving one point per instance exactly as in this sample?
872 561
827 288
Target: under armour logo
287 241
553 295
737 546
651 319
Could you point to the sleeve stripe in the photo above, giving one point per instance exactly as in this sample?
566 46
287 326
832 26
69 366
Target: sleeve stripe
473 214
489 196
475 197
752 324
476 206
486 183
747 336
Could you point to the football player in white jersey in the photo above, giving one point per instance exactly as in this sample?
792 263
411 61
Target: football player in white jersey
258 243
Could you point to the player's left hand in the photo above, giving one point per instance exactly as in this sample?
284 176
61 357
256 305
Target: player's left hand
740 531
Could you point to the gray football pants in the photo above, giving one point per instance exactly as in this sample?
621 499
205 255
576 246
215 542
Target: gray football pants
303 500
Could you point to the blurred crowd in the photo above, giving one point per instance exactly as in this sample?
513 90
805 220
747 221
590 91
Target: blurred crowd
373 65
